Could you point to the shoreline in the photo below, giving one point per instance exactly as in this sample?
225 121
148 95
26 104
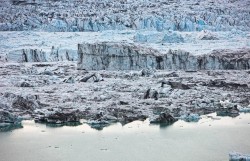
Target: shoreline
59 93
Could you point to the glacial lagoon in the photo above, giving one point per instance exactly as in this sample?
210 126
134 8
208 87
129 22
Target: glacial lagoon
210 139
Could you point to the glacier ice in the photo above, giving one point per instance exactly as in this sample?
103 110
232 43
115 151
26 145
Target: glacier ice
160 15
124 56
235 156
35 55
158 37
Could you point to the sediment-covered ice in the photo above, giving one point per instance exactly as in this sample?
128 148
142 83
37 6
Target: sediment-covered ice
57 92
34 55
124 56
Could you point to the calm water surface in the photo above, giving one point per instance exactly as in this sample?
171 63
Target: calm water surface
207 140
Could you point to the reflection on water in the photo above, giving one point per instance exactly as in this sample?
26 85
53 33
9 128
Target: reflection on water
73 124
10 127
207 120
210 139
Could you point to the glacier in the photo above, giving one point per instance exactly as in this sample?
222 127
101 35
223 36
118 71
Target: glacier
158 15
109 61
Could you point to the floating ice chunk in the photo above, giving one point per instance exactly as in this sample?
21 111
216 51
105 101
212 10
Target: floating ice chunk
190 117
235 156
245 109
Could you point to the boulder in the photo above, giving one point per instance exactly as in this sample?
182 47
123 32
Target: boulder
96 77
69 80
22 103
151 93
163 118
59 117
228 111
123 103
177 85
25 84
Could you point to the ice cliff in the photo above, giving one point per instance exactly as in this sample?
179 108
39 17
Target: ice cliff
127 56
35 55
